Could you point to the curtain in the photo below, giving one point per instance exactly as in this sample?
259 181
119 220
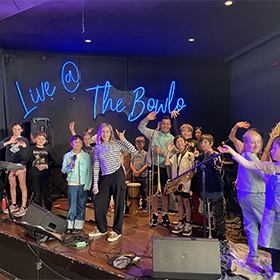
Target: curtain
3 105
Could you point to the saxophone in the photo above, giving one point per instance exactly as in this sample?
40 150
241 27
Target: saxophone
176 184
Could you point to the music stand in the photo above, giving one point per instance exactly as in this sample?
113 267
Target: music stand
41 235
9 166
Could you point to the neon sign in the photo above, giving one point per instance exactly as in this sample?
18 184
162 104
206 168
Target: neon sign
105 97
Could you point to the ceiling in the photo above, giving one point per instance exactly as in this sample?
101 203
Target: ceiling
140 28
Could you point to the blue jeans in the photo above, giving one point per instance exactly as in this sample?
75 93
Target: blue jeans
252 205
77 198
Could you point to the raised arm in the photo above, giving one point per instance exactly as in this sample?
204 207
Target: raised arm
72 128
266 167
232 136
142 127
170 147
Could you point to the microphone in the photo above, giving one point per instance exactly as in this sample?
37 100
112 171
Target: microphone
73 162
224 142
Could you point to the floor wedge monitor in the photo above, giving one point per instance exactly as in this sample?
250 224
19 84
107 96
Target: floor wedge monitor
186 258
37 216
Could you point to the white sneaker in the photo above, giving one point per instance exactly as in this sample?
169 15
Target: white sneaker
96 232
21 212
179 228
12 209
187 230
113 236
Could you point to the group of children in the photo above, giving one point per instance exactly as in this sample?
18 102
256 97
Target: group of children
181 153
38 159
168 155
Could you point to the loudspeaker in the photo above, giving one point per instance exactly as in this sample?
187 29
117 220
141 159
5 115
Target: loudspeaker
186 258
37 216
44 125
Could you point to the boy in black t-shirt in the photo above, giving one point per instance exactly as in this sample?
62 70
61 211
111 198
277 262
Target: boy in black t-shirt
40 160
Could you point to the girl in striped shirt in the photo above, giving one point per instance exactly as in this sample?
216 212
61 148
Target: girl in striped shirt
111 180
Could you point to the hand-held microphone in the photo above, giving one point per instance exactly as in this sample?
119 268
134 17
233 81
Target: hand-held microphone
73 162
224 142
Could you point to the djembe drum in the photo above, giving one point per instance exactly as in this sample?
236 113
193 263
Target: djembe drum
133 190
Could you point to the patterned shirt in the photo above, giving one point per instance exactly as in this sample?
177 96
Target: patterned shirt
107 157
139 160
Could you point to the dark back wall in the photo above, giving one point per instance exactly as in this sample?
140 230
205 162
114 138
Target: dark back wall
255 88
203 83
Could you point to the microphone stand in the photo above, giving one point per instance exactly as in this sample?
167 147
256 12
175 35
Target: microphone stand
203 166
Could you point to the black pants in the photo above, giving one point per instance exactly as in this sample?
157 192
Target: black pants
218 206
113 184
41 187
275 258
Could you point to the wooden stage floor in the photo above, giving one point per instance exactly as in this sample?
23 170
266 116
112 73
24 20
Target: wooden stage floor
136 239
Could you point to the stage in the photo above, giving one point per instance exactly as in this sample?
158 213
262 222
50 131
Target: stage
70 262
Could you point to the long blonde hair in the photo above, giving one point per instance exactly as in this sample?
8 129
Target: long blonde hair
99 133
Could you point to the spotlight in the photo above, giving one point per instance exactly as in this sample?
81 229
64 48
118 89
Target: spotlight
228 3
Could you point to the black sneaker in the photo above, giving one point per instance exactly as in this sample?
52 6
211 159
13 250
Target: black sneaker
154 220
76 230
69 230
165 221
221 237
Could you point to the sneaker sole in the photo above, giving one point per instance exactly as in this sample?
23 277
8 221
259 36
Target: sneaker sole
19 216
113 239
12 211
176 231
166 225
97 234
187 234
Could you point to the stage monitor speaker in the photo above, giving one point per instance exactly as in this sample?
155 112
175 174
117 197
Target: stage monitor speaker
39 217
186 258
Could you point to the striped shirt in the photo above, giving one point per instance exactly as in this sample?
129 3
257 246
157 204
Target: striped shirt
107 157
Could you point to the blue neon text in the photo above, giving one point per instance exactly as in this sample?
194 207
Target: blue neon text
105 97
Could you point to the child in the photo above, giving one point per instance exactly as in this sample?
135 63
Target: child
270 228
87 148
40 160
112 180
86 142
181 162
77 165
13 155
250 188
158 143
139 168
198 133
186 130
213 183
